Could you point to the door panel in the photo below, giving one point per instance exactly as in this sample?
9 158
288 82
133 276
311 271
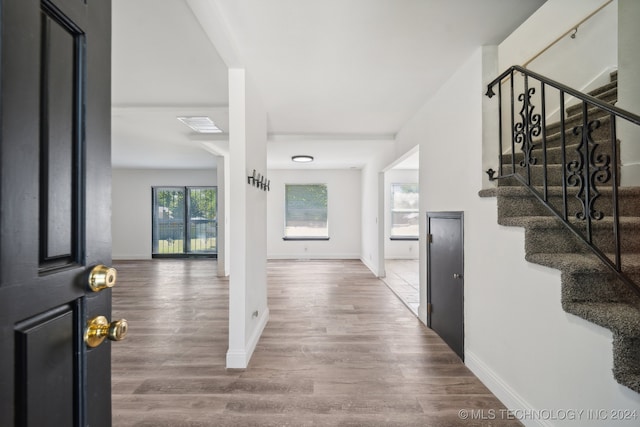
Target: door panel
445 280
61 84
41 342
54 210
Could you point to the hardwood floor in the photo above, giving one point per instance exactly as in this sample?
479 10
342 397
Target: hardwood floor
339 350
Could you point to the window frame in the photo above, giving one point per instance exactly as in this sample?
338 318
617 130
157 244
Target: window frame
392 210
285 219
187 251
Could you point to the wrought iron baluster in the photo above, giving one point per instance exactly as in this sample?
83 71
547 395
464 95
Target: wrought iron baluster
589 171
614 193
513 141
600 167
545 186
526 142
587 182
527 129
500 157
563 154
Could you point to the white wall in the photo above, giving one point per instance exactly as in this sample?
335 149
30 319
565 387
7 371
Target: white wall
344 215
373 206
131 205
593 48
397 249
555 17
518 340
629 89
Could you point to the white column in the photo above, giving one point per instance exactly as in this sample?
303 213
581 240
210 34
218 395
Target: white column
248 311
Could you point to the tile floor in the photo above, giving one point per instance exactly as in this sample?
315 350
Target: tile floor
403 278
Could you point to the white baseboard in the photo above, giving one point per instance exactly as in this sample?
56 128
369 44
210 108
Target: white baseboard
239 358
257 333
507 395
370 266
130 257
309 256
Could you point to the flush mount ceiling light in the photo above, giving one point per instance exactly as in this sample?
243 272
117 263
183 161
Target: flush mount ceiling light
200 124
302 159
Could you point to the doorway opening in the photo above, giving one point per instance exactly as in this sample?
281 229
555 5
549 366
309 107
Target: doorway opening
401 230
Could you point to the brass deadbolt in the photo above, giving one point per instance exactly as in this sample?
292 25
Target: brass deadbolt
102 277
99 328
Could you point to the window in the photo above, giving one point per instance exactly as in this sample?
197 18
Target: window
184 221
306 212
404 211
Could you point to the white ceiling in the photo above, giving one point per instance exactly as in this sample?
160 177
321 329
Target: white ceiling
337 77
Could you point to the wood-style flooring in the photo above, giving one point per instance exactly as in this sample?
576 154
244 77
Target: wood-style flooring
339 350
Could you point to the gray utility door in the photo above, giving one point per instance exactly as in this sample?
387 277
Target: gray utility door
55 201
445 280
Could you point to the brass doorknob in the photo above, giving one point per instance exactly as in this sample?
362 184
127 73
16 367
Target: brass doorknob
99 328
102 277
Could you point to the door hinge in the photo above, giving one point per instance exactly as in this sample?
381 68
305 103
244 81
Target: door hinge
429 308
429 238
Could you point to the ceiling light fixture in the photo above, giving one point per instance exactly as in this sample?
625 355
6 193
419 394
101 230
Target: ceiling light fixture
200 124
302 159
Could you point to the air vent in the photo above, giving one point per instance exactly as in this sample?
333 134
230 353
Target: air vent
200 124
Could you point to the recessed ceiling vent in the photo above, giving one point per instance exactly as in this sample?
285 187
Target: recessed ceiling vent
200 124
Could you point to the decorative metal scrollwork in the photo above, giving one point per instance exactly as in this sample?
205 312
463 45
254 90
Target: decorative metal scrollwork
597 166
529 127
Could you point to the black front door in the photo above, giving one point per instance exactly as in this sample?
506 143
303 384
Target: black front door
445 285
55 201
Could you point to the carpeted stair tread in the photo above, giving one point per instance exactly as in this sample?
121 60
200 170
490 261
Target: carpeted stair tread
617 317
631 380
574 117
626 360
599 287
557 191
554 153
521 191
583 263
543 222
607 93
488 192
554 136
550 235
536 174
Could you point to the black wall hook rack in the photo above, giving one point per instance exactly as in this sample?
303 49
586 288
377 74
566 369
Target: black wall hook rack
259 181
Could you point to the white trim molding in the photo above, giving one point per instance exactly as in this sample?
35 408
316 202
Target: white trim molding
239 358
507 395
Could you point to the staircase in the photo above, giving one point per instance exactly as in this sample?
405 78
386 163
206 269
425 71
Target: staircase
590 289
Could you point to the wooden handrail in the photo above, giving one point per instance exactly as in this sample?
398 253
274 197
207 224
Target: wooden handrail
553 43
575 27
